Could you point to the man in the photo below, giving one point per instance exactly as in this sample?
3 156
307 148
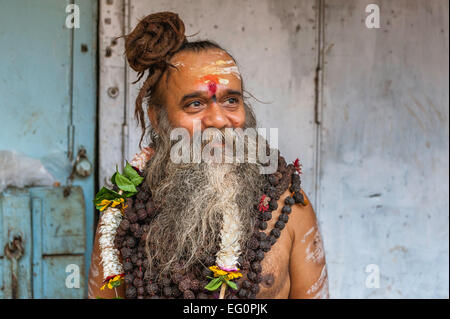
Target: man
198 217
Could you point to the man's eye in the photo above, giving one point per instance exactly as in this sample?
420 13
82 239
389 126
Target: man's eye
231 101
194 104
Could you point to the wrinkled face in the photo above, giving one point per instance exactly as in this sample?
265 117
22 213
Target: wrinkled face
206 86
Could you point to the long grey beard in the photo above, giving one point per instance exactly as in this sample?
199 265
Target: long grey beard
191 200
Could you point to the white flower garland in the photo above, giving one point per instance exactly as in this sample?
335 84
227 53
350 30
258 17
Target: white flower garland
110 220
230 249
230 234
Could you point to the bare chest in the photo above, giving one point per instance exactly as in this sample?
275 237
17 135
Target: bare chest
275 265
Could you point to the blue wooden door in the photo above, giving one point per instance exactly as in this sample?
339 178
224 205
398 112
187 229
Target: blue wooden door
48 113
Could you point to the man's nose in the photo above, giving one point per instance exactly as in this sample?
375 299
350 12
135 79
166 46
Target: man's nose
216 117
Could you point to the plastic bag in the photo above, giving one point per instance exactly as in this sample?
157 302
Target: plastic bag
18 170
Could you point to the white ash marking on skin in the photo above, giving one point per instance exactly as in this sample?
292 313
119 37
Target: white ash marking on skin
319 290
308 233
314 251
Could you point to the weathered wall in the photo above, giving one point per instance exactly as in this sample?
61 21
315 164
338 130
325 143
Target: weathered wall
384 148
382 145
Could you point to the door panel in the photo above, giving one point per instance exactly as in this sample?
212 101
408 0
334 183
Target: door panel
48 109
63 224
55 269
15 218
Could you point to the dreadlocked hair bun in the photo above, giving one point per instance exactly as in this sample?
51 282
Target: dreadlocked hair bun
149 47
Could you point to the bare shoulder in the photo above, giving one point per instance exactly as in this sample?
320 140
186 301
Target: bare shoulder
307 265
302 218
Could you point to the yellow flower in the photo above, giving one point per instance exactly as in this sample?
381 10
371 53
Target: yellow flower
230 275
233 275
217 271
103 287
117 202
104 203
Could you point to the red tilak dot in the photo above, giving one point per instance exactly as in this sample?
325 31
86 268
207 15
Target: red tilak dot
212 87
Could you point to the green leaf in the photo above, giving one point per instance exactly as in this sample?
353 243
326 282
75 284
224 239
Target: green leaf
231 284
113 178
132 175
124 183
106 193
214 284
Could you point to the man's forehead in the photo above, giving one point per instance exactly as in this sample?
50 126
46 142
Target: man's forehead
206 64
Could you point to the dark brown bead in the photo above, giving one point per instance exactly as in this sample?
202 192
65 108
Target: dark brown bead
289 201
262 236
121 232
273 180
272 240
152 289
140 291
188 294
133 218
259 255
265 246
265 216
131 242
177 277
138 282
131 292
128 266
251 276
284 218
253 243
275 232
195 285
273 205
142 195
139 205
142 214
246 284
298 197
184 285
262 225
254 289
134 227
251 255
286 210
243 293
125 224
280 225
256 267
